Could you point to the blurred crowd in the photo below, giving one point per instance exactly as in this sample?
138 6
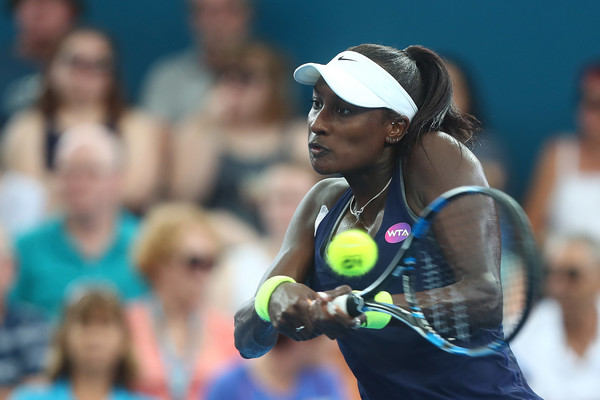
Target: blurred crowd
130 233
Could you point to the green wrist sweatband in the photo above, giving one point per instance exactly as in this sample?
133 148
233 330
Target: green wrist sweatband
263 296
376 319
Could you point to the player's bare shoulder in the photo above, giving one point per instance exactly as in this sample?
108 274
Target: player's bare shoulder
440 162
324 193
329 190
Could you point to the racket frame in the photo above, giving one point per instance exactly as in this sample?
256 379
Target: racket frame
402 265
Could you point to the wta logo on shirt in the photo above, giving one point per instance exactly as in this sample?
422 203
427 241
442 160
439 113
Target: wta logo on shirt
397 233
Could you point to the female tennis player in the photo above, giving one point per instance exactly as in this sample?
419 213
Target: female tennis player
383 119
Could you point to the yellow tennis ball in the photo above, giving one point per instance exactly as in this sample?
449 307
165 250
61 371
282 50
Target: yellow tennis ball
352 253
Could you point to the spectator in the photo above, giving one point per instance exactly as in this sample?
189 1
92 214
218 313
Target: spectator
23 333
278 192
91 239
489 148
565 192
559 347
180 341
91 355
178 85
290 371
81 87
40 23
219 154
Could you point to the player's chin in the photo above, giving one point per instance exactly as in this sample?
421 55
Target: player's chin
323 167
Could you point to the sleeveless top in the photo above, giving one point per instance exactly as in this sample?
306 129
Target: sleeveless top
575 201
396 362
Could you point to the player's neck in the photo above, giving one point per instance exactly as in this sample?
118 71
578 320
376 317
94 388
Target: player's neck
367 183
370 190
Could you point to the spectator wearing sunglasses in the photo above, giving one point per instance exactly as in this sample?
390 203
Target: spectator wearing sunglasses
559 347
81 86
180 341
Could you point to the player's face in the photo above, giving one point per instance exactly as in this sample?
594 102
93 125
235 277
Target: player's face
344 138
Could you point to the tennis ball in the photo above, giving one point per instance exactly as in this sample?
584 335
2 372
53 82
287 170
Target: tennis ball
352 253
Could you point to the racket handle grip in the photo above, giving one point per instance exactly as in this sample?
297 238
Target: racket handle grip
350 304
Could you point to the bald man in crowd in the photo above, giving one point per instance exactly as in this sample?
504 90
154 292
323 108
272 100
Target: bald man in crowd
89 243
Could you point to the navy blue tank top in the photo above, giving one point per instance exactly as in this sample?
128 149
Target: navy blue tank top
396 362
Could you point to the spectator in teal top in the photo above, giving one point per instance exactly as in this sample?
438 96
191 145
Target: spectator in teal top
90 240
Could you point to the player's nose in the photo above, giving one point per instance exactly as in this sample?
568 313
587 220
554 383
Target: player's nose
319 122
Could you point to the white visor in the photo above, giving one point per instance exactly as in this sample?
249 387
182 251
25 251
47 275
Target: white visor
360 81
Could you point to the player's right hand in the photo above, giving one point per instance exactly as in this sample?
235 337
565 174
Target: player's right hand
291 310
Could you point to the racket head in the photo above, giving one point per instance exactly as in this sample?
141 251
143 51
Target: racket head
470 271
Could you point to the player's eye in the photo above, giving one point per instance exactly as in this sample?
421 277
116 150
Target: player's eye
316 103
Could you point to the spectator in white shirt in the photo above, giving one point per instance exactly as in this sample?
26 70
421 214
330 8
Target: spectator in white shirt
559 347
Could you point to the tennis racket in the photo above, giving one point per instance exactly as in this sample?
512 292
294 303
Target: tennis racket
469 272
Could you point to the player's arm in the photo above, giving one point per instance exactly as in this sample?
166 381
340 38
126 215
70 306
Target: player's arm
441 164
291 305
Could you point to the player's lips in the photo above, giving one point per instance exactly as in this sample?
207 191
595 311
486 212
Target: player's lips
317 150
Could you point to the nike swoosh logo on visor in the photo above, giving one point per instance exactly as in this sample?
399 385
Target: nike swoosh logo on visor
342 58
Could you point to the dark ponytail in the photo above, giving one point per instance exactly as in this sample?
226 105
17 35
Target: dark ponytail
423 74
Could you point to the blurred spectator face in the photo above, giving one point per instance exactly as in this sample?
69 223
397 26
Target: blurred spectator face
96 342
220 23
88 173
44 20
81 72
574 274
186 272
248 90
253 89
589 106
284 187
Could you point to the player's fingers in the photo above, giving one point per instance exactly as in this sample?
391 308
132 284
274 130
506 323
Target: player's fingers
332 294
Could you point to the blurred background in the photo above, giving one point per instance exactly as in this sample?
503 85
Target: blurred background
522 57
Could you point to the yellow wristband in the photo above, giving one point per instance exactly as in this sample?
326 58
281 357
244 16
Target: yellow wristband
263 296
376 319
